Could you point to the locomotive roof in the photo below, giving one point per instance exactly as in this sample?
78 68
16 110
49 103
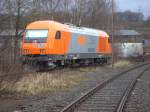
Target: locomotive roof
70 28
87 31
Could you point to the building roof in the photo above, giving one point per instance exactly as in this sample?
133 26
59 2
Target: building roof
127 33
8 32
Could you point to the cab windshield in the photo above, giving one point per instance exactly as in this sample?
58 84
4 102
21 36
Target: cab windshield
36 35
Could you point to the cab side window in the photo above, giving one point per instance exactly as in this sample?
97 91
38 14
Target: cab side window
58 35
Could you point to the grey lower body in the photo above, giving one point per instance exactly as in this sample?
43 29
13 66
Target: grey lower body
52 61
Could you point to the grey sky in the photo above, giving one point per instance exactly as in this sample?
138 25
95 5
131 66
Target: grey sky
134 5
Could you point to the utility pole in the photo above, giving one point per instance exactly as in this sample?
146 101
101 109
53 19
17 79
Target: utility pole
112 33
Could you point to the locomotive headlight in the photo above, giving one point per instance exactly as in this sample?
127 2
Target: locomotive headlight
100 56
25 51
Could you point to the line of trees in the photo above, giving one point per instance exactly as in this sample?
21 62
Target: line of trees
130 16
16 14
92 13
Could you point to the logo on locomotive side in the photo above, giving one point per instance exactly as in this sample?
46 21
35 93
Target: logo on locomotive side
81 40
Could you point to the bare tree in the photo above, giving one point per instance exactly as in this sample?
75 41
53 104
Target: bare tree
15 14
16 10
47 7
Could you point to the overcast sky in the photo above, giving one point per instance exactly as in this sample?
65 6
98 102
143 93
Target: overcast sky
134 5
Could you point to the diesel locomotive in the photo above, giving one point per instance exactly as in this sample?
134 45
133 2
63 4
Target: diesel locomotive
48 44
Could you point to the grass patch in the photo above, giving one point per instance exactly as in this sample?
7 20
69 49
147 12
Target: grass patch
122 63
87 69
43 82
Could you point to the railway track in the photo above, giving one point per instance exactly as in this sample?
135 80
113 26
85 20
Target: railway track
139 99
110 95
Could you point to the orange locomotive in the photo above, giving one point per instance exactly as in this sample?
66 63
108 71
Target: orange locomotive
49 44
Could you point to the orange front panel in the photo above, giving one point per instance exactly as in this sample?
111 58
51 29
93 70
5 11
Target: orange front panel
33 48
103 46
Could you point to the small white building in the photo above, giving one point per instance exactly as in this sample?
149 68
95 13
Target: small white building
128 43
146 46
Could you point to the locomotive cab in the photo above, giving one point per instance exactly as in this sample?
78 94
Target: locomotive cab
43 41
34 44
35 39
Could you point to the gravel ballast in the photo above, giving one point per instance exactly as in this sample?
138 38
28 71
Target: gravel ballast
139 101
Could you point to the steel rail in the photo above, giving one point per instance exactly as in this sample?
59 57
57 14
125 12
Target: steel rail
99 86
127 93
